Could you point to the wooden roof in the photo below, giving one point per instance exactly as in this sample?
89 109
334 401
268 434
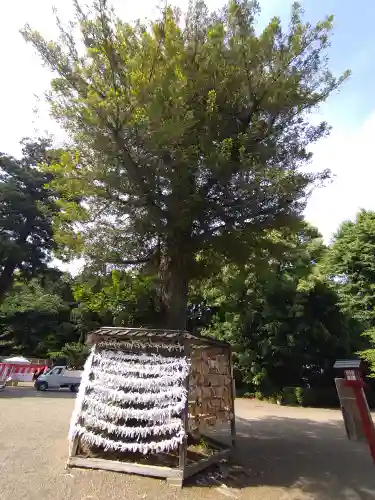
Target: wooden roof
148 334
348 364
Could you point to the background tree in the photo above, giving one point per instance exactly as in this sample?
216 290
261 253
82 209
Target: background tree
190 135
283 317
74 354
35 316
117 298
26 210
350 263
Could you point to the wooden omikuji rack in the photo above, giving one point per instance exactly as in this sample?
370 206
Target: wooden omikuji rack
210 401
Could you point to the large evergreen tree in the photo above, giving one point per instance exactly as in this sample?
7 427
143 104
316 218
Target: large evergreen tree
26 210
190 134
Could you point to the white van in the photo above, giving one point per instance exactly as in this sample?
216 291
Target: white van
58 377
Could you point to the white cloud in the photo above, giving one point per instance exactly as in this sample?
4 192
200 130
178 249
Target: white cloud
349 155
24 81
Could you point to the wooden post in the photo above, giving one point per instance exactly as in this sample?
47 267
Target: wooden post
367 423
73 447
185 419
232 398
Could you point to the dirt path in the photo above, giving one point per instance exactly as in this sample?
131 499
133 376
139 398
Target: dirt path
283 453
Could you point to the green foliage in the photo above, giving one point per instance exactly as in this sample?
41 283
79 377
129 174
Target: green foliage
282 317
35 317
350 262
188 136
318 397
118 298
291 396
74 353
184 190
26 210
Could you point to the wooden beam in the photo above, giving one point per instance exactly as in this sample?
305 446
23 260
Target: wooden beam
128 467
185 417
190 470
178 482
73 446
232 398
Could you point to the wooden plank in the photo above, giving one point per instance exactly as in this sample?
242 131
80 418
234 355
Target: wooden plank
130 468
178 482
232 398
185 417
73 446
190 470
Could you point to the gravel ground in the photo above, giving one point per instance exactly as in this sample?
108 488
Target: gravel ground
283 453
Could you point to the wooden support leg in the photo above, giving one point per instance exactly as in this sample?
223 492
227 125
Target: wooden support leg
175 481
73 448
185 422
233 396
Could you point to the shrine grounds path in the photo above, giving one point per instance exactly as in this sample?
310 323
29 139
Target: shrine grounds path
283 454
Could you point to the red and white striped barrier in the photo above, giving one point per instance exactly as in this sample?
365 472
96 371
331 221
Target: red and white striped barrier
24 371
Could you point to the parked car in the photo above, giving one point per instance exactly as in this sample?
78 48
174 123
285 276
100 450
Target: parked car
59 377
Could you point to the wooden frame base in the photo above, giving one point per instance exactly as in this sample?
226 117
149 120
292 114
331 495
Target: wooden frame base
193 469
128 467
175 477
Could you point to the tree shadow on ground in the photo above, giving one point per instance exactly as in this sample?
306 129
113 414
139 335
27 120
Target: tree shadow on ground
30 392
310 459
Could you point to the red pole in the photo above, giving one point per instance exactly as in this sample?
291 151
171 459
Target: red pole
367 423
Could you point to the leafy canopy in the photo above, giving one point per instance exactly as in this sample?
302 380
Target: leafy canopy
27 207
35 316
351 263
190 133
283 317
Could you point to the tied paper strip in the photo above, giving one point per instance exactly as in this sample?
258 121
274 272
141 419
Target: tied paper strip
112 386
113 365
102 378
81 394
163 398
153 359
175 426
144 448
140 345
102 410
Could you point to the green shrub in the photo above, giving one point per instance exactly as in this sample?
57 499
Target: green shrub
299 395
318 397
325 397
248 395
258 395
289 396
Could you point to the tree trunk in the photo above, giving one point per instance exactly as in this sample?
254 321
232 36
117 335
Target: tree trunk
174 276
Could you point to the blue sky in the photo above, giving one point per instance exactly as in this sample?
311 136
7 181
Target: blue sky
347 152
353 46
